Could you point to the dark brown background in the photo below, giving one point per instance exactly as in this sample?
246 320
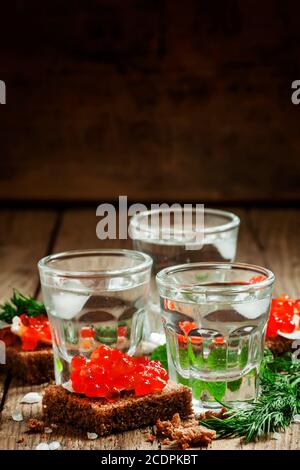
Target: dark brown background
159 100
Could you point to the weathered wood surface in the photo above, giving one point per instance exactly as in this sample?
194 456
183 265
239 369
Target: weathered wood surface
267 238
25 237
158 100
278 235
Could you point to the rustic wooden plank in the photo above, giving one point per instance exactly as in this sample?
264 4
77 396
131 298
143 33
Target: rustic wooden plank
248 249
78 231
278 234
12 432
24 238
288 440
270 238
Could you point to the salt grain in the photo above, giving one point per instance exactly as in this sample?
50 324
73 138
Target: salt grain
17 416
31 397
42 446
296 419
54 445
92 435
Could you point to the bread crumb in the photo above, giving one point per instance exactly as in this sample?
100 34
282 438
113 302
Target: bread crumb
150 438
185 433
279 344
166 442
213 414
35 425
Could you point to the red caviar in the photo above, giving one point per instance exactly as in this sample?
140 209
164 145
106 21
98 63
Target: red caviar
33 331
109 372
284 315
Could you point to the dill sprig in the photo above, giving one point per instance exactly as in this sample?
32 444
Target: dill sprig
273 411
18 304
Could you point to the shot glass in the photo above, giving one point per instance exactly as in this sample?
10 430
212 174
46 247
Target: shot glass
219 232
94 297
215 317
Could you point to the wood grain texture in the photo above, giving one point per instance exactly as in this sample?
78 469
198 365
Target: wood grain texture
77 230
24 238
248 248
159 100
266 237
12 432
278 234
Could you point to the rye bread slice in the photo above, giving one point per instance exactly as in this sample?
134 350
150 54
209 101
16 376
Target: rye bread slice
279 345
32 367
102 417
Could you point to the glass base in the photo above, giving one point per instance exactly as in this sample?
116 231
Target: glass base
210 395
200 407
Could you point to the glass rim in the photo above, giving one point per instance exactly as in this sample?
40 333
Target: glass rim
234 219
163 281
146 263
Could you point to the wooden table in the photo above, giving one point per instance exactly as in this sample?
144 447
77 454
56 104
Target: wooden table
269 237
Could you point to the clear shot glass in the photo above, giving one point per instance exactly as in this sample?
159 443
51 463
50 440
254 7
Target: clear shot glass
94 297
215 317
169 248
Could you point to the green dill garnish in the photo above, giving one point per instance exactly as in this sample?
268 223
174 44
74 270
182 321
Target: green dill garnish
273 411
18 304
